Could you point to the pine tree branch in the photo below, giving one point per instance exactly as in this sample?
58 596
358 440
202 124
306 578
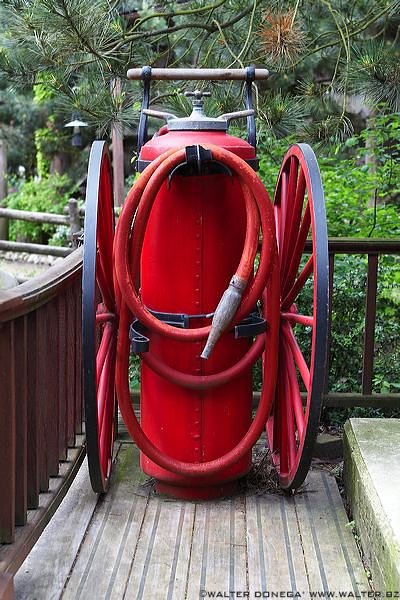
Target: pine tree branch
250 29
188 49
375 18
227 46
85 42
167 30
351 34
178 13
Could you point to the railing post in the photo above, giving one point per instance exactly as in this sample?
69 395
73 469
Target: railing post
370 316
74 221
329 333
7 434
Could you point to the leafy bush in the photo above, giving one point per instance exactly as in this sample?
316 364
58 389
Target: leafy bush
49 194
349 188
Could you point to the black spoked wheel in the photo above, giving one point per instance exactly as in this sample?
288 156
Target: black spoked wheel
299 216
99 323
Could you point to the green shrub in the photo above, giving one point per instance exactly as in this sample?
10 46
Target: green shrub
49 194
348 190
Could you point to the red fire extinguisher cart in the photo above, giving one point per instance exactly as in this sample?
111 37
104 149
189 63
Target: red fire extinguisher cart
204 276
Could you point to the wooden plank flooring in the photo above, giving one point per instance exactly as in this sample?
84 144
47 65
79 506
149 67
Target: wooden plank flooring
141 546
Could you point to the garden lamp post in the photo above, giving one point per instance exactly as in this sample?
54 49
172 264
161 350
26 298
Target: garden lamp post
76 125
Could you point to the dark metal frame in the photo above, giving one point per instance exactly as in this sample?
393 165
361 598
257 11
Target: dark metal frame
250 77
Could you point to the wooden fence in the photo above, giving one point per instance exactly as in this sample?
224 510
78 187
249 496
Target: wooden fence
373 249
41 390
40 403
72 219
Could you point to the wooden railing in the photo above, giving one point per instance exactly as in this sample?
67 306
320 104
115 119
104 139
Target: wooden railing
373 249
71 219
40 403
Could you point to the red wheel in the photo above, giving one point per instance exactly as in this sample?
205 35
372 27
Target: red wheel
99 325
299 214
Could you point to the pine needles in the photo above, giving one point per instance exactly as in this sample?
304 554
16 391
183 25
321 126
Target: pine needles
281 38
319 53
375 73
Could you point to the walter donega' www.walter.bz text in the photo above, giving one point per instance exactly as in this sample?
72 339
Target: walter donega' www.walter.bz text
295 594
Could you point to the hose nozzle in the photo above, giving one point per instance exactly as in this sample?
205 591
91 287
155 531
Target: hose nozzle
224 313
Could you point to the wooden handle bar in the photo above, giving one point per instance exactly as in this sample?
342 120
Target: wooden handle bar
199 74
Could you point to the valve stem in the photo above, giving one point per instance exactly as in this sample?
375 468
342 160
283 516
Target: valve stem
224 313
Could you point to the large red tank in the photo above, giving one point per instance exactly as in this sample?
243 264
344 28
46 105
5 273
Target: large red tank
192 247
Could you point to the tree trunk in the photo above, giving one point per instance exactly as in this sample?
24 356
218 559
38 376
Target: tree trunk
118 154
371 162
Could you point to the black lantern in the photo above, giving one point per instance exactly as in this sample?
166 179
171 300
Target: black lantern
76 124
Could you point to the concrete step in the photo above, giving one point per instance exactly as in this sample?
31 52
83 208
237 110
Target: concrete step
372 479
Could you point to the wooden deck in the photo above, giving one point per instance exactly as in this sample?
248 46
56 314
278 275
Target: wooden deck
133 544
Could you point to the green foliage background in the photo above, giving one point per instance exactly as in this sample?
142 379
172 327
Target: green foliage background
48 194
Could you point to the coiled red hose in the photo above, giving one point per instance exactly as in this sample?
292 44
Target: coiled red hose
127 251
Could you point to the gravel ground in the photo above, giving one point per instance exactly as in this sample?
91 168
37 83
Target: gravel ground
25 266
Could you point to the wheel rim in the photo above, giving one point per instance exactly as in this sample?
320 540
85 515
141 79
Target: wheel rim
299 213
98 318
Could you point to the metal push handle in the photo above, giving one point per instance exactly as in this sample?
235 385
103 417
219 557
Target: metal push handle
147 74
198 74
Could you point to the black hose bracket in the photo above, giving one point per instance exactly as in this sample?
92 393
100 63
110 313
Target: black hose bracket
251 121
199 161
252 325
142 127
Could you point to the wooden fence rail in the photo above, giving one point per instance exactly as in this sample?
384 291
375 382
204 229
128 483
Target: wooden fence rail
32 248
71 219
34 217
40 402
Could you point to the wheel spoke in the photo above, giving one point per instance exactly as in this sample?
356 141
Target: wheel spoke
106 216
294 228
298 250
105 235
288 442
292 214
298 284
292 450
297 355
102 387
282 212
103 281
283 421
297 403
106 419
298 318
107 416
102 351
277 226
277 420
